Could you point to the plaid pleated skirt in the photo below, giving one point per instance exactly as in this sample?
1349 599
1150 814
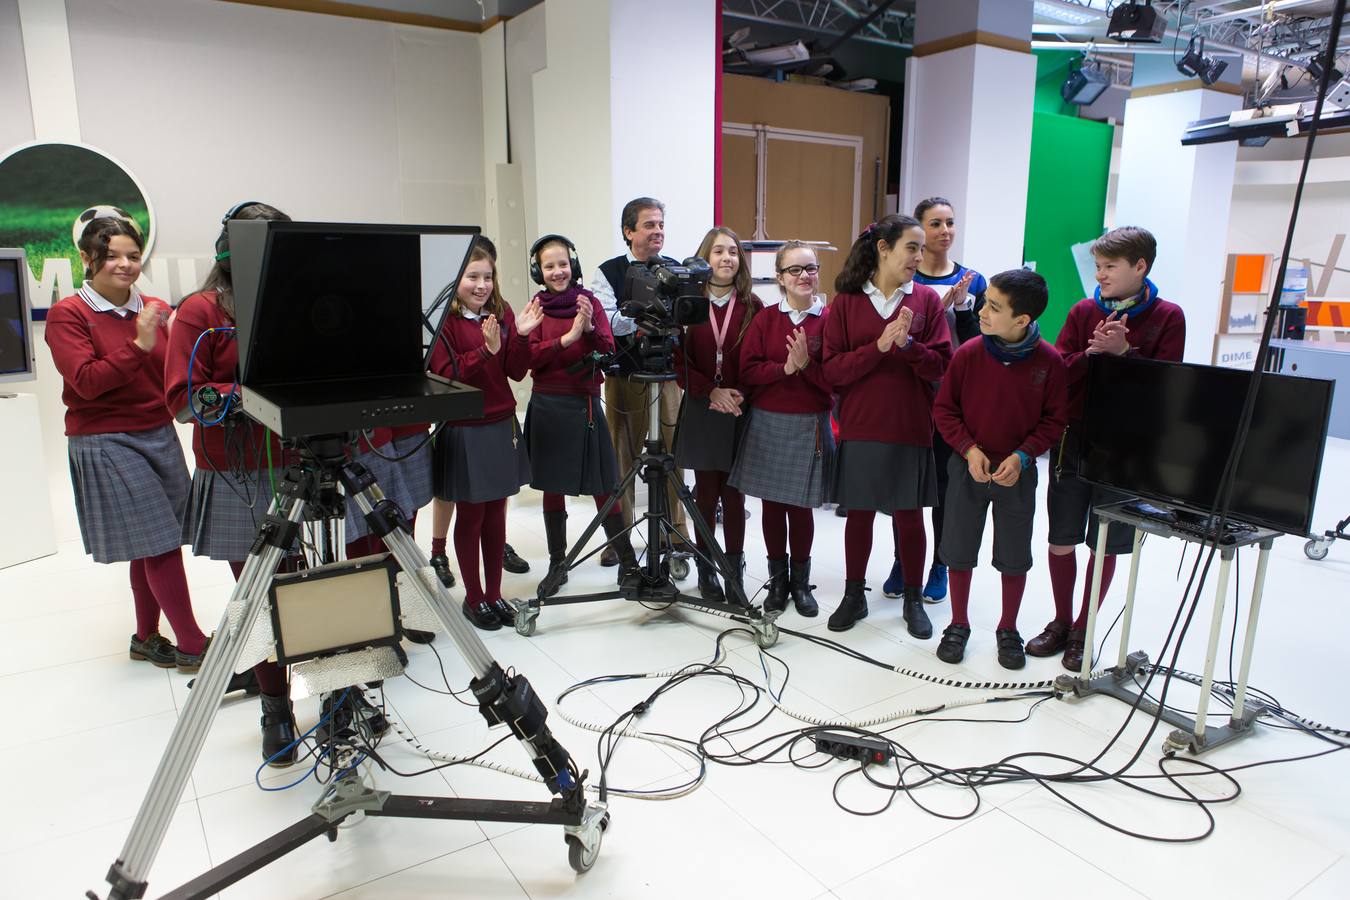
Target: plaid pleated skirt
884 477
479 463
407 482
706 440
224 512
569 445
131 492
786 457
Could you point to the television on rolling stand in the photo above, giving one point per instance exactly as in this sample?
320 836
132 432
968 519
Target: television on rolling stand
16 318
1162 431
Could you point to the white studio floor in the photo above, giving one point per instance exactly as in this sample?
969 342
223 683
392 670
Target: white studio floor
87 728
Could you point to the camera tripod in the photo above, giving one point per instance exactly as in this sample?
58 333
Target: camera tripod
652 582
502 700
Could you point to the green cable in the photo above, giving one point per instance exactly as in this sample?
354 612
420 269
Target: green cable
271 476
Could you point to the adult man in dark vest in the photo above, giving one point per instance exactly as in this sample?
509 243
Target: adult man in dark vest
643 224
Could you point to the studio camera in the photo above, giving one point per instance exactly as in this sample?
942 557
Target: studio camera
661 297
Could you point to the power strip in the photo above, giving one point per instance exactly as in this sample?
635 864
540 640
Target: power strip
849 746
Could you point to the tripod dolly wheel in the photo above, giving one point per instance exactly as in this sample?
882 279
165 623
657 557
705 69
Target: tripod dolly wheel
1316 549
679 566
766 633
526 619
583 842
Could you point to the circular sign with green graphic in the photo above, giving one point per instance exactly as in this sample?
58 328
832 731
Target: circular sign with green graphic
45 190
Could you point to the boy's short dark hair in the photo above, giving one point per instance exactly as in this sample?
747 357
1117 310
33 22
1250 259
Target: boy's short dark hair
1128 242
1026 291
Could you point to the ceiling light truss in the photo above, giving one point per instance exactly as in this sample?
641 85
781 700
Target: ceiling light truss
826 17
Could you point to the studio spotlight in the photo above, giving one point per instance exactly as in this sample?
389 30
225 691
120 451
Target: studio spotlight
1084 83
1195 64
1136 22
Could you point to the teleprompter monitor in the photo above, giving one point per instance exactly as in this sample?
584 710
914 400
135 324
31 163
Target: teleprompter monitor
333 323
1163 431
16 318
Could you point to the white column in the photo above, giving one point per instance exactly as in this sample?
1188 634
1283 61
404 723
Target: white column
51 77
969 91
1181 194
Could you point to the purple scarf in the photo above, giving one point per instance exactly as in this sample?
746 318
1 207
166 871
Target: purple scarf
564 305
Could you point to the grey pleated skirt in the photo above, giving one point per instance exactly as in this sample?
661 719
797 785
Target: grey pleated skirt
786 458
884 477
569 446
407 482
131 492
706 440
224 512
479 463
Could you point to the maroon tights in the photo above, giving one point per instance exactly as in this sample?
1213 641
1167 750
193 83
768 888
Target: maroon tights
912 540
159 584
709 487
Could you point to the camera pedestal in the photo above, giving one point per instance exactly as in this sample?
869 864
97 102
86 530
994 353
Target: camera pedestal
1120 681
652 582
502 700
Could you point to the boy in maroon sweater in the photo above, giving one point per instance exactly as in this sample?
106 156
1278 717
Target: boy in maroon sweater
1001 405
1124 316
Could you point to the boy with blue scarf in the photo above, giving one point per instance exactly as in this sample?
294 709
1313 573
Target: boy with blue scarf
1125 315
1003 402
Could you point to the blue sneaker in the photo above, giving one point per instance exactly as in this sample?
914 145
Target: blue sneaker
895 583
935 591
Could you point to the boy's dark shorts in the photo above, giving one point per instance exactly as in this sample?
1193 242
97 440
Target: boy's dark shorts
1070 500
968 502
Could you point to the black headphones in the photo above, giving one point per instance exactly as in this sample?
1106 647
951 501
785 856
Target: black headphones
223 241
536 274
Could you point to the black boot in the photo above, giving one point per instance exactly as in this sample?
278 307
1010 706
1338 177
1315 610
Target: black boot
555 532
736 564
776 597
799 588
852 608
617 533
916 617
709 587
441 563
278 730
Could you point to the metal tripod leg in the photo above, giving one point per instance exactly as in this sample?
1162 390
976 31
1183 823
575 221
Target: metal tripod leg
593 525
128 874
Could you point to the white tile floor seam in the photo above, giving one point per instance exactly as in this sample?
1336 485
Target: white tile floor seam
98 722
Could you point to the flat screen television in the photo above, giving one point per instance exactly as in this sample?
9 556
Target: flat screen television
1163 431
16 318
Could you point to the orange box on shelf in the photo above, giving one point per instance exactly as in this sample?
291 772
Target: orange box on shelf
1249 273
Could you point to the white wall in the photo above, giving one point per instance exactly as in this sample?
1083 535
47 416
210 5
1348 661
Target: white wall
16 114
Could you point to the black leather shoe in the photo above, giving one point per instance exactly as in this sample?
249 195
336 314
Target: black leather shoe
952 647
709 586
155 649
418 636
441 563
776 592
244 681
1073 651
189 663
916 617
481 615
278 731
852 609
1010 652
506 613
609 557
799 588
513 562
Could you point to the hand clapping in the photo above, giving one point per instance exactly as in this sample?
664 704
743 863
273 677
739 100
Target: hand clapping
1110 336
152 315
492 334
896 333
529 317
798 353
956 294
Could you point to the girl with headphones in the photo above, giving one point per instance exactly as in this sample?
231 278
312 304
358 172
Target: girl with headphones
234 455
570 449
479 463
713 412
126 464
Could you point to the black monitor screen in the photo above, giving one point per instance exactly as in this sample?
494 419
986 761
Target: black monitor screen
1164 430
13 320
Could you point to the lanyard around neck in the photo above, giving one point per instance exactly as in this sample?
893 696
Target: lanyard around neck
720 334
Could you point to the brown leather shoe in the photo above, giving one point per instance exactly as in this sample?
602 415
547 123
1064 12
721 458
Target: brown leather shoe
1050 641
1073 651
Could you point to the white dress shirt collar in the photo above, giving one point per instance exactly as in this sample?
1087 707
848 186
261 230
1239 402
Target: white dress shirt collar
798 316
886 305
721 301
98 303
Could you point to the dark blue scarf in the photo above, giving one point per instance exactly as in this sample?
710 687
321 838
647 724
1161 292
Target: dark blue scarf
1005 352
1135 306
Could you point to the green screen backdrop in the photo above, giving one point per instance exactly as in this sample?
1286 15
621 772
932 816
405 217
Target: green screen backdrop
1066 187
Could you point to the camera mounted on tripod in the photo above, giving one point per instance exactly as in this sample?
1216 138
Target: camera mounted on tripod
662 297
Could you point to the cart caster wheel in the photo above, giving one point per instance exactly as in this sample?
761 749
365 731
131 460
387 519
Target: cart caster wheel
1316 549
578 858
679 568
525 623
766 635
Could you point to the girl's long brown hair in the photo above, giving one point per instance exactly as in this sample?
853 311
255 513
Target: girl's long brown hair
495 305
741 284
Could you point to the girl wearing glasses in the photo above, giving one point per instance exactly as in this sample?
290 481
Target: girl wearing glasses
712 415
886 345
787 455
